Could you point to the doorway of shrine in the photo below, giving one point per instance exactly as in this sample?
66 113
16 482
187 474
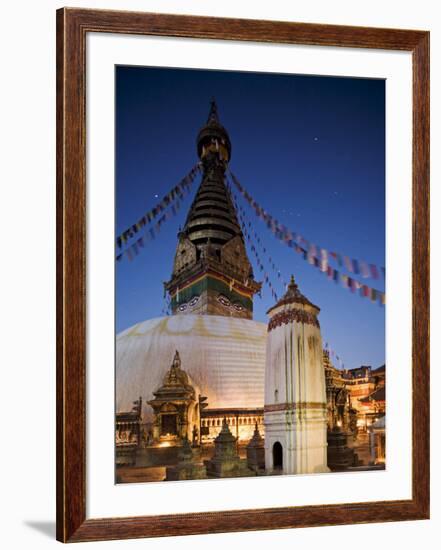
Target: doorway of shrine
277 456
169 424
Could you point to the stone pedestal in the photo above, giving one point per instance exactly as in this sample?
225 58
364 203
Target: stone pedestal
340 456
188 466
256 452
126 455
226 461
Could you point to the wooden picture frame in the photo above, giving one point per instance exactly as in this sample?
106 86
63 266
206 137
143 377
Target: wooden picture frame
72 28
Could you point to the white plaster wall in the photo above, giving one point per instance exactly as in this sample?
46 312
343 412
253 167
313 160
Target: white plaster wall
294 367
303 439
298 377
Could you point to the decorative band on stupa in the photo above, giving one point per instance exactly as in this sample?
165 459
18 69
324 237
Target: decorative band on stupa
294 308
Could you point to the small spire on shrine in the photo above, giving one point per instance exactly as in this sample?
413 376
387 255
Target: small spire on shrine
176 360
292 296
257 439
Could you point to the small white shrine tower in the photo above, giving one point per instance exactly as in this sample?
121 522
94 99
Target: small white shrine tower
295 393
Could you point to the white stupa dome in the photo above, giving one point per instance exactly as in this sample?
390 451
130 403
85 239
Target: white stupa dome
224 356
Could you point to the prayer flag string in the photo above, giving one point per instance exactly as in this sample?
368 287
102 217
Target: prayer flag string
358 267
150 234
247 229
260 265
310 254
177 192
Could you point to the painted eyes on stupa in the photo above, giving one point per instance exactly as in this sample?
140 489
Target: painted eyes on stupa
193 301
224 300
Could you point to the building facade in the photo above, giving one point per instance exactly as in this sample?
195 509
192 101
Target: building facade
367 394
340 412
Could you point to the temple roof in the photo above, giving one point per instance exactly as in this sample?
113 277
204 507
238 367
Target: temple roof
176 384
293 296
176 376
378 395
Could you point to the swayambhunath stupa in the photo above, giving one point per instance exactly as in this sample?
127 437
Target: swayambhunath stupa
206 391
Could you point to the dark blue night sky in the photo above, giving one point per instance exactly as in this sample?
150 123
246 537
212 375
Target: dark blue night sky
310 150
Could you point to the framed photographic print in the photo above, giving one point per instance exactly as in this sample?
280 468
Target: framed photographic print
242 233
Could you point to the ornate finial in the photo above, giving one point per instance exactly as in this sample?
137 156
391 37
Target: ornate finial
177 360
256 434
292 286
225 433
175 376
257 439
213 114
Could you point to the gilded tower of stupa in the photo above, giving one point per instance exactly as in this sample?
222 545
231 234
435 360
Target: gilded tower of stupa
212 274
